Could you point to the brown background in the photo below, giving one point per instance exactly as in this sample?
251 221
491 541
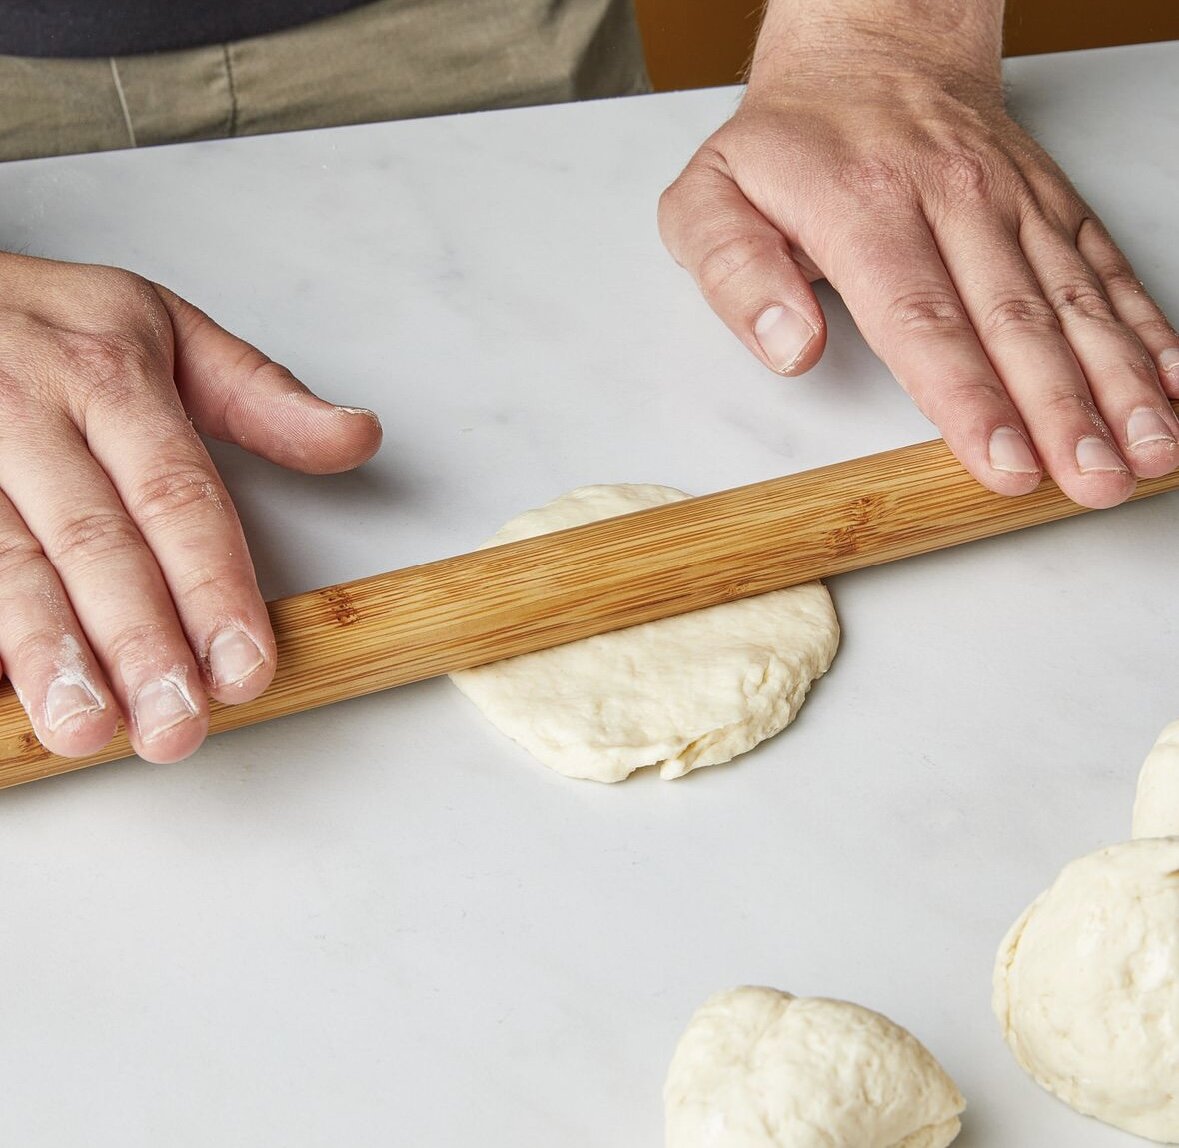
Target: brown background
699 43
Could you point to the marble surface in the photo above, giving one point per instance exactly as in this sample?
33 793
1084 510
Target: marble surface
381 923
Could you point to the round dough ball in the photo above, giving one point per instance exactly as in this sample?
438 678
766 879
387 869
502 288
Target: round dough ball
759 1068
680 693
1156 807
1087 987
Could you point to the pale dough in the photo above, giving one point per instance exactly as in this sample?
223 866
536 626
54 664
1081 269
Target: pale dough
759 1068
680 693
1087 987
1156 807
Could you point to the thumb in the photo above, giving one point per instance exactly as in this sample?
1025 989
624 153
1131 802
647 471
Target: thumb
233 392
742 265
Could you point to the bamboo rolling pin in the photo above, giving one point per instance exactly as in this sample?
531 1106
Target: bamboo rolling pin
390 629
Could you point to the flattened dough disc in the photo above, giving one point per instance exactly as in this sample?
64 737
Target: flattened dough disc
685 692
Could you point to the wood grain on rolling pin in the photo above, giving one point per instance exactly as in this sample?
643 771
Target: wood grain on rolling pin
390 629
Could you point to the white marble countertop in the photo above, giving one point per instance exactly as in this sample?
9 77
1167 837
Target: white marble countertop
383 924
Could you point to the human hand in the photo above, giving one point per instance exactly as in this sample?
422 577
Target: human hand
970 264
125 583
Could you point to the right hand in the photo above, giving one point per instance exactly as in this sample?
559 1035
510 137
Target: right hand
970 264
126 588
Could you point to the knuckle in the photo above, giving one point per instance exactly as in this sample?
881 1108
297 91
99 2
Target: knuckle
962 172
104 357
726 260
18 553
37 652
955 394
671 215
1123 366
137 643
920 312
113 369
93 536
1156 332
679 201
125 293
204 580
1018 314
1089 232
253 373
966 392
264 372
874 178
1064 407
1120 279
174 493
252 368
669 201
1141 369
1080 301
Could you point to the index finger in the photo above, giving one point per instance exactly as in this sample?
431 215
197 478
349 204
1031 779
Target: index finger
165 478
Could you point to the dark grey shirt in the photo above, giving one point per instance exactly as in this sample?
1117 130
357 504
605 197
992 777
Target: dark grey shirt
129 27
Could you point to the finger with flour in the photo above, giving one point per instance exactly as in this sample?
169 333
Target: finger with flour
44 651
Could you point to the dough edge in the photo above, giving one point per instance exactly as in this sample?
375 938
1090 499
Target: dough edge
1159 1122
1156 801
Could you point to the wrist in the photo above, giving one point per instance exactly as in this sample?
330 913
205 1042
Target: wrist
954 47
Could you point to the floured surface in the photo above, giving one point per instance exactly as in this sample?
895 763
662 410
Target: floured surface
681 693
759 1068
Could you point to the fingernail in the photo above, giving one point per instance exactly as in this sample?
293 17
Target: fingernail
362 414
783 336
68 698
233 657
1096 454
159 706
1145 426
1169 360
1010 453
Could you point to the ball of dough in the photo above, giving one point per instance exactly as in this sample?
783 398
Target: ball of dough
1156 807
1087 987
680 693
759 1068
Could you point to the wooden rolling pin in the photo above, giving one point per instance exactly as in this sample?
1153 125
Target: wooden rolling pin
390 629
